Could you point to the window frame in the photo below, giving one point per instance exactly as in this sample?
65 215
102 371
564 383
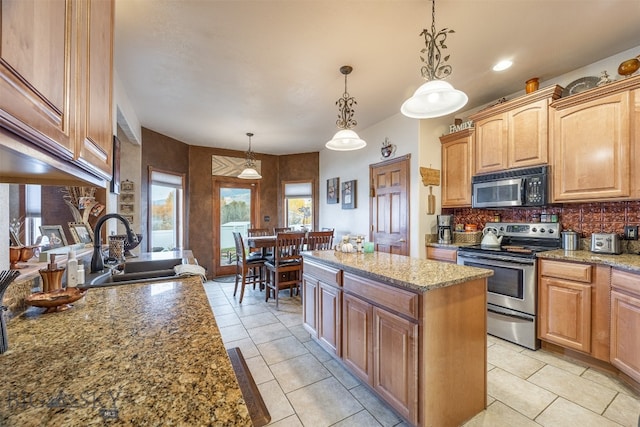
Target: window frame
181 209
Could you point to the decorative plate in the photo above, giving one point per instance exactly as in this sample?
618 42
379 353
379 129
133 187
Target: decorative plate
580 85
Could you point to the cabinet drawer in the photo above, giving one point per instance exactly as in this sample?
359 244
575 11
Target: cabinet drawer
441 254
566 270
398 300
328 275
624 280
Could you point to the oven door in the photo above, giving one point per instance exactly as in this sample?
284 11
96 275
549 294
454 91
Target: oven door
513 284
500 193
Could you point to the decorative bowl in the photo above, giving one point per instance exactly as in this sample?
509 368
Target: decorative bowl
629 67
28 252
14 256
58 300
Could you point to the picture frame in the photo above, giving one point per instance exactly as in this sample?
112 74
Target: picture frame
126 186
126 197
54 236
128 218
115 178
333 191
349 194
81 232
126 208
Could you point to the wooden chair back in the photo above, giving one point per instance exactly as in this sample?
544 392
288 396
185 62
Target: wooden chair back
253 232
241 255
288 247
319 240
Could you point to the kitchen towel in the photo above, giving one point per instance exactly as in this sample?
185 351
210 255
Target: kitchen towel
190 270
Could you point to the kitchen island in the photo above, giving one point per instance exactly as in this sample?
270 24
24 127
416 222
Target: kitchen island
413 330
138 354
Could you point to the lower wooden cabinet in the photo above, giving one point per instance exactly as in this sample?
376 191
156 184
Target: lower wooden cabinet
625 322
573 306
310 304
442 254
357 349
330 317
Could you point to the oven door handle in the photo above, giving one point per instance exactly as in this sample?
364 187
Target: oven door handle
497 258
515 316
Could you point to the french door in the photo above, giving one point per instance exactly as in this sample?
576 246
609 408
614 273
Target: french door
235 208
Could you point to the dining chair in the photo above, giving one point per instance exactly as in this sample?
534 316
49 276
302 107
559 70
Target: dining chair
277 230
319 240
249 270
257 232
285 270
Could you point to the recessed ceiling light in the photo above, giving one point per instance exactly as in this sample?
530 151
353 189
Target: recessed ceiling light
502 65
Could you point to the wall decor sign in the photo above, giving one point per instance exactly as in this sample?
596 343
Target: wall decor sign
230 166
333 191
460 126
349 194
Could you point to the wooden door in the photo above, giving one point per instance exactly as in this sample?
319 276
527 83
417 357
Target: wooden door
329 318
565 313
309 303
389 205
235 208
357 347
395 362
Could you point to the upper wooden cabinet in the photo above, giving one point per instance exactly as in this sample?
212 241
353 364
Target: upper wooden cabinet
514 134
457 168
594 149
56 78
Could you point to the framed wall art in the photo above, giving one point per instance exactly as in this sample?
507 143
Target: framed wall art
81 232
52 237
333 192
349 194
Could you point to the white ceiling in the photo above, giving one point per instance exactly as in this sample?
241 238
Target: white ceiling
206 72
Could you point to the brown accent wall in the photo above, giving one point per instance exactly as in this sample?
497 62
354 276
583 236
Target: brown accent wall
167 154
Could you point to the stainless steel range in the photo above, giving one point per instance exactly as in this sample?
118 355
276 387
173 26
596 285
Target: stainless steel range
512 298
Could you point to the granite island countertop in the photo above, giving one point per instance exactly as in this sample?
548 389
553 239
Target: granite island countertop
629 262
416 274
140 354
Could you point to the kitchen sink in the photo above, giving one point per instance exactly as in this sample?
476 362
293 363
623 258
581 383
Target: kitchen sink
134 272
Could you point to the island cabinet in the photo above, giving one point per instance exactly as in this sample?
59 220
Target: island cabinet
625 322
574 306
56 81
457 168
514 133
594 139
412 330
322 307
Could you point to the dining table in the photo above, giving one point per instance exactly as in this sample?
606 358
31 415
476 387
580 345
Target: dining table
264 243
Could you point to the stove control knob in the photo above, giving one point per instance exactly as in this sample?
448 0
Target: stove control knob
551 231
542 230
534 229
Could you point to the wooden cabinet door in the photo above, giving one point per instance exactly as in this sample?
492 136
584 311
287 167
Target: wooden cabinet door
357 346
442 254
395 362
591 149
329 318
565 313
457 168
309 304
38 72
527 136
625 339
94 149
491 144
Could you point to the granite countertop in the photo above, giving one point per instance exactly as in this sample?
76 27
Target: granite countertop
140 354
416 274
630 262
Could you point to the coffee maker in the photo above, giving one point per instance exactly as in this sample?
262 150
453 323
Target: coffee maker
445 228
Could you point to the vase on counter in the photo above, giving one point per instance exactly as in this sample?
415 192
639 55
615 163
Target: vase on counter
532 85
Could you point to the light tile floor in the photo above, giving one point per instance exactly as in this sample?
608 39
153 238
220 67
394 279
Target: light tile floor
302 385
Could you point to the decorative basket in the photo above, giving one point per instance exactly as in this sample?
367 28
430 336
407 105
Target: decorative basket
469 237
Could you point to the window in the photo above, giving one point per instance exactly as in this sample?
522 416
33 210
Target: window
33 213
166 211
298 205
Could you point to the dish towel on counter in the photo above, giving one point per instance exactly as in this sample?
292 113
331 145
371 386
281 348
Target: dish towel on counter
190 270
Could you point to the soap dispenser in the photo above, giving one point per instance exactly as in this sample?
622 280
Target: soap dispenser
72 269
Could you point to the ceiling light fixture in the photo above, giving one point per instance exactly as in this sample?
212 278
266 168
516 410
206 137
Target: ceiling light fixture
502 65
346 139
250 171
434 98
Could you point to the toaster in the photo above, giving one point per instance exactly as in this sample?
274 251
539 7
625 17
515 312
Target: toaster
605 243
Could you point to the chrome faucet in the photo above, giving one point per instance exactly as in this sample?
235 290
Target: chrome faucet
97 263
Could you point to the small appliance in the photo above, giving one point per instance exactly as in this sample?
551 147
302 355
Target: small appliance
606 243
445 228
511 188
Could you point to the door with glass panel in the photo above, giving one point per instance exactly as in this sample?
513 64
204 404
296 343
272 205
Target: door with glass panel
235 209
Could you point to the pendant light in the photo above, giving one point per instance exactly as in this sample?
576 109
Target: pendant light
346 139
250 171
434 98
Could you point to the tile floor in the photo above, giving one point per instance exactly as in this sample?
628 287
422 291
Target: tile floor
302 385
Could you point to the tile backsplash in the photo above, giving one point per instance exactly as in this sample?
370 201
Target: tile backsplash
585 218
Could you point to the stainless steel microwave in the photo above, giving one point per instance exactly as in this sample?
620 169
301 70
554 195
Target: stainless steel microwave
511 188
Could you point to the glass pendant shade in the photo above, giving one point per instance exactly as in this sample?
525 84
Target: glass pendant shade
250 173
345 140
434 99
